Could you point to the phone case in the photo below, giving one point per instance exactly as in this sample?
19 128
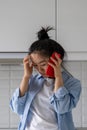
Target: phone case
50 70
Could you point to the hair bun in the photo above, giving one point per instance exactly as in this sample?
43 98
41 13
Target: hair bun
42 34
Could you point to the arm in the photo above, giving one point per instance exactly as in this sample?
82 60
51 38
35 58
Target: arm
19 97
27 74
67 96
17 103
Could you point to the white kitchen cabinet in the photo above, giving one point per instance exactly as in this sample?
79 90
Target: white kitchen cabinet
72 27
21 19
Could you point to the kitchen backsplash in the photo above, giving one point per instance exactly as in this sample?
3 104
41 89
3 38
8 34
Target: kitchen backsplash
10 77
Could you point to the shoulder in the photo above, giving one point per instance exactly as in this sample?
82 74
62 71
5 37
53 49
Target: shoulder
70 81
68 77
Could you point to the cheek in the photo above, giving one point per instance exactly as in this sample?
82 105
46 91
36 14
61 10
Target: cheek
45 68
41 68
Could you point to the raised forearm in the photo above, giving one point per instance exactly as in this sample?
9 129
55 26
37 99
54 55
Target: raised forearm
58 83
24 85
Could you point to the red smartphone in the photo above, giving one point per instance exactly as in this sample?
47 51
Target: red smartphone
50 70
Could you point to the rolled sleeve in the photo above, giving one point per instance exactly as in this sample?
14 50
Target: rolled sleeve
61 92
66 97
17 103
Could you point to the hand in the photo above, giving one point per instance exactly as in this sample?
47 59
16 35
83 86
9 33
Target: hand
56 65
57 71
28 67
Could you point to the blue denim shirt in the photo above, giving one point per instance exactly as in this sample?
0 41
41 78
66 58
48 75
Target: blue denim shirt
63 101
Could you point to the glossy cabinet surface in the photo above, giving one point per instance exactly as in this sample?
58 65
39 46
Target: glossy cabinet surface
20 20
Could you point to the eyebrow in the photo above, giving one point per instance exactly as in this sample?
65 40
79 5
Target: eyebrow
39 62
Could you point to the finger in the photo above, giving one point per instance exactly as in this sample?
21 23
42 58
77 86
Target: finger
52 65
29 58
58 58
31 64
25 59
54 61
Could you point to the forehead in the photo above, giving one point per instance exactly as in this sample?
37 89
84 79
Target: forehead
37 55
37 58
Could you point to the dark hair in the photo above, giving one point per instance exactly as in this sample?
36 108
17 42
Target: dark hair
46 46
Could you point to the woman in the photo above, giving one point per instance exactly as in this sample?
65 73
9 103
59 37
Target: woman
42 101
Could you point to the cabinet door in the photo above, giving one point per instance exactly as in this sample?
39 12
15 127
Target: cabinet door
21 19
72 25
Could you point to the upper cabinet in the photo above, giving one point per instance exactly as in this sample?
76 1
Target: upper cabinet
72 27
21 19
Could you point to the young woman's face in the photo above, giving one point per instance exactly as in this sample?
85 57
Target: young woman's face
40 63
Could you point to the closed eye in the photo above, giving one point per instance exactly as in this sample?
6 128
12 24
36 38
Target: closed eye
34 65
44 64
